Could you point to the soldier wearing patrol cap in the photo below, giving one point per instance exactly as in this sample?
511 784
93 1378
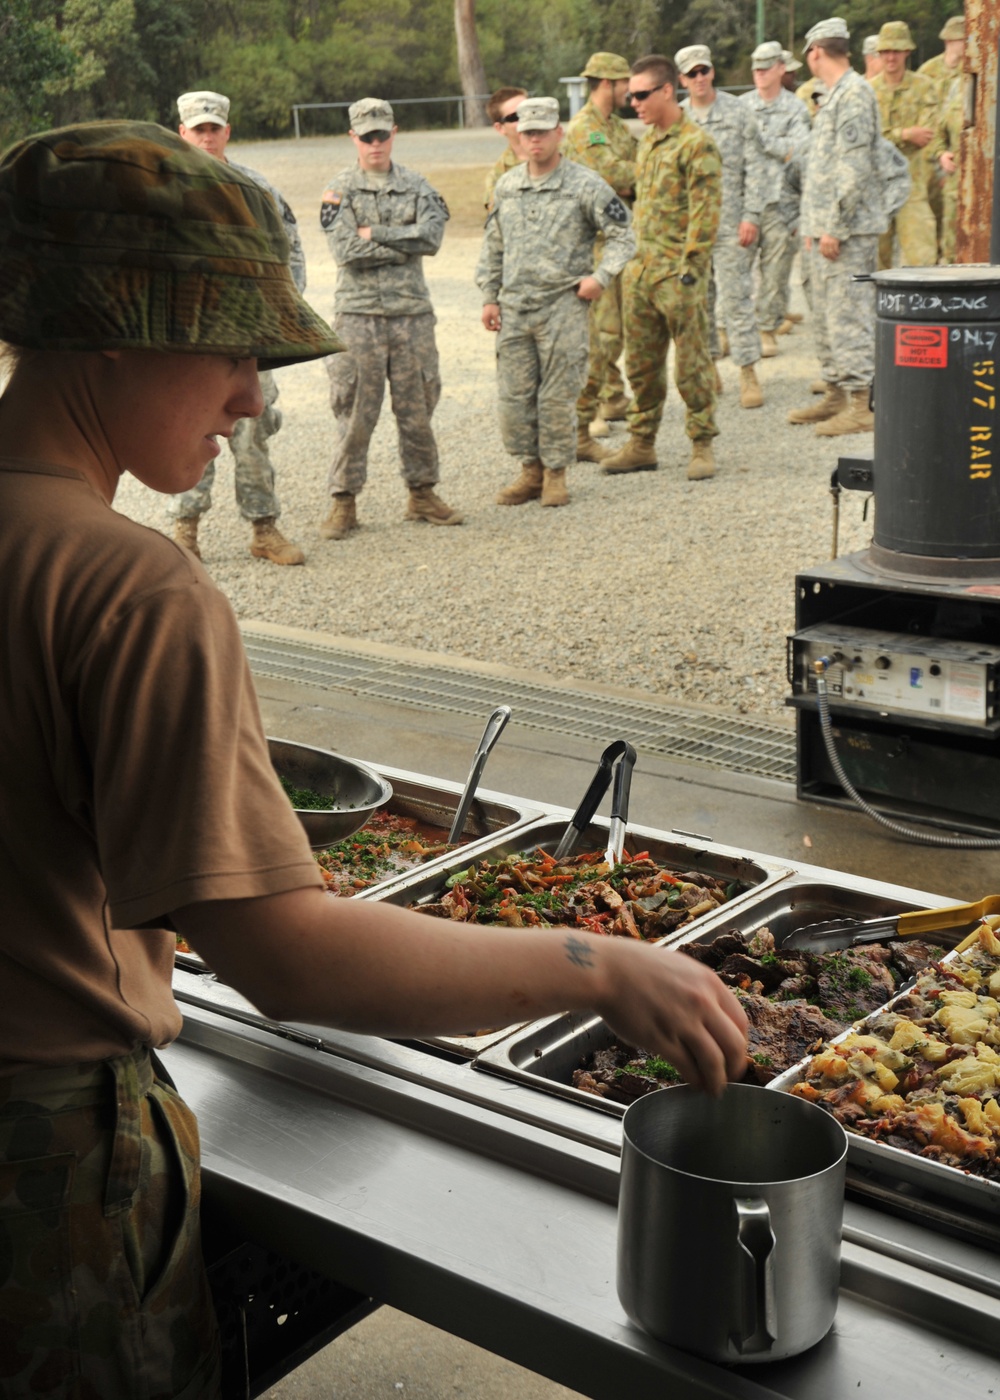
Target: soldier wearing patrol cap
380 221
729 123
779 131
843 213
204 122
597 137
538 280
871 56
908 105
945 72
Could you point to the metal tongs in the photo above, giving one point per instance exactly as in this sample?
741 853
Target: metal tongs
494 728
831 934
623 754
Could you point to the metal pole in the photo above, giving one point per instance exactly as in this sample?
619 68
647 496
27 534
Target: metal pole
995 225
760 21
295 115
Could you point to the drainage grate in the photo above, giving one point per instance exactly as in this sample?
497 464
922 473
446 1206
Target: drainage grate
672 731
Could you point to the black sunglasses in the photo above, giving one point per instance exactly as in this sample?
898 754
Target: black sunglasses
697 72
510 117
371 136
643 96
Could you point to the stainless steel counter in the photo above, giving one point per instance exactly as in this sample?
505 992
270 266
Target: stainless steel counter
489 1210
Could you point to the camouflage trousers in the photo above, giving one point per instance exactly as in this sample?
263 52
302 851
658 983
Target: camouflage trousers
775 247
844 311
655 314
948 226
732 266
607 339
916 230
103 1291
254 472
402 350
541 368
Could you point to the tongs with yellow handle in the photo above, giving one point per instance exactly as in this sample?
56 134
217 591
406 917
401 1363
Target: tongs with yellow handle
850 933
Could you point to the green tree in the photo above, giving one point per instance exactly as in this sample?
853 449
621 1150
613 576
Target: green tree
32 54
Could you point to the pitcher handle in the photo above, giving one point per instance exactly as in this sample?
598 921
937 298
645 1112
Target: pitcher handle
756 1242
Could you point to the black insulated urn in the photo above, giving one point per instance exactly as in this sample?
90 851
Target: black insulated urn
937 429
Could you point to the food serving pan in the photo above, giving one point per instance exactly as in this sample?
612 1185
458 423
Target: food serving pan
433 803
895 1164
545 1054
427 884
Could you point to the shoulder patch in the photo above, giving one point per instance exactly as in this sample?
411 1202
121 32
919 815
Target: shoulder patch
852 135
329 208
616 211
598 138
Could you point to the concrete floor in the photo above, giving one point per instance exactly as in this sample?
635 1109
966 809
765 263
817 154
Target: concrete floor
390 1354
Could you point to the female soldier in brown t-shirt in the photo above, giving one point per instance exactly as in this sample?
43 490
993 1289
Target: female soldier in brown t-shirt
142 286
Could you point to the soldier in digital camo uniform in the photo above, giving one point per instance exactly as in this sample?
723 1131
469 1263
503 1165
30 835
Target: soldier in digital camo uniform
909 109
843 213
204 122
380 221
537 276
945 72
779 130
678 196
502 112
729 123
597 137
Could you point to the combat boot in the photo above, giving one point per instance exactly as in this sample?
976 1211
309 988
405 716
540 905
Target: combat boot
768 345
614 410
796 317
856 417
718 379
750 394
702 463
817 386
527 487
587 450
832 403
424 504
723 345
343 518
186 533
786 327
554 491
269 543
638 455
598 428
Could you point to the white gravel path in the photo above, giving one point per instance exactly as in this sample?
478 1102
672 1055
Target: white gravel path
645 581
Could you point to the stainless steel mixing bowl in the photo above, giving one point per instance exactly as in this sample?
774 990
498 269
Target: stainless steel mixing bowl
355 790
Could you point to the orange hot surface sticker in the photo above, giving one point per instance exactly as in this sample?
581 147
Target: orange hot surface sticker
925 347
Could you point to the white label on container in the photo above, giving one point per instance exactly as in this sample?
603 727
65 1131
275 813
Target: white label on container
966 694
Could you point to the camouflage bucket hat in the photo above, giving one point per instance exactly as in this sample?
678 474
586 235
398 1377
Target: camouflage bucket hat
607 65
895 35
121 236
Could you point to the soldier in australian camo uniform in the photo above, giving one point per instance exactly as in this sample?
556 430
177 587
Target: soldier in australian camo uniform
729 123
908 106
843 213
204 122
597 137
779 129
380 221
537 276
945 72
678 194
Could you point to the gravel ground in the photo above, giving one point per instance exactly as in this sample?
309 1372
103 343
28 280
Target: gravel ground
646 581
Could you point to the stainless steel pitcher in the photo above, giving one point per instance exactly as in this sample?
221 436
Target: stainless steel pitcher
729 1219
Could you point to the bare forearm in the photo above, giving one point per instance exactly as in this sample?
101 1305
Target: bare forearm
375 968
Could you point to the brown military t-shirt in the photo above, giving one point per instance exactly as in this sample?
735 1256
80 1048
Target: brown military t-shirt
134 771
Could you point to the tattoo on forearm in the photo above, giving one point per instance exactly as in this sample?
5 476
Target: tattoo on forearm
578 952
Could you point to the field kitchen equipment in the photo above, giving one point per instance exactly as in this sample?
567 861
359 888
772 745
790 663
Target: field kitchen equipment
354 790
906 634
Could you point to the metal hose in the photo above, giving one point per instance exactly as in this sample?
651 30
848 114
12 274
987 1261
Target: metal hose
923 838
